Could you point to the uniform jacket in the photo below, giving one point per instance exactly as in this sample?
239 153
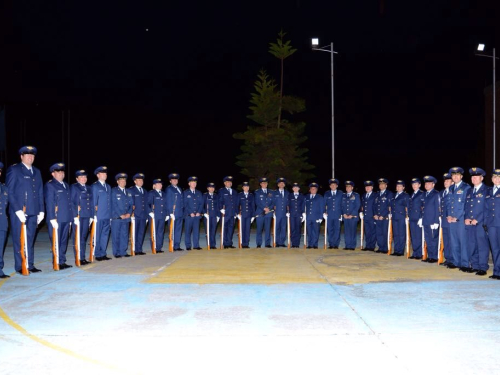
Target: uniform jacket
139 202
400 206
382 203
455 205
121 203
193 203
475 204
25 189
415 206
367 204
160 209
444 199
246 205
82 196
492 208
211 205
4 202
314 207
175 198
280 202
333 203
296 205
228 201
58 196
102 200
351 204
431 207
263 201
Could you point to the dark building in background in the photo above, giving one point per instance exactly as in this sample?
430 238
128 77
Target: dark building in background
488 128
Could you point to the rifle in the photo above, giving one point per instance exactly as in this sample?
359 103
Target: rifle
222 228
77 240
132 232
24 244
274 230
440 245
92 234
389 236
171 233
288 235
55 246
305 232
208 228
240 233
326 232
408 239
153 232
362 231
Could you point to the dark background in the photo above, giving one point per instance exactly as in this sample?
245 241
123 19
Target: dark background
409 91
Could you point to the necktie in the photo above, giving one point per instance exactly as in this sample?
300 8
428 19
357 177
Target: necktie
84 187
159 192
64 186
104 186
211 195
446 192
475 190
495 190
246 195
282 195
397 195
230 191
296 195
192 192
333 193
31 171
368 195
348 195
265 191
140 189
427 194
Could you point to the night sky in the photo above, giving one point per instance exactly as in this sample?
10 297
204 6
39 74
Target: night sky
159 86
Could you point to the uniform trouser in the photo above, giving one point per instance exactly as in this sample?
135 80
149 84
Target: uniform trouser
350 227
245 230
416 239
494 238
459 244
101 237
212 229
140 231
370 233
177 232
228 230
333 230
399 235
84 232
159 232
192 228
16 240
312 233
119 236
295 230
382 227
62 236
280 230
447 244
264 222
432 241
3 242
478 246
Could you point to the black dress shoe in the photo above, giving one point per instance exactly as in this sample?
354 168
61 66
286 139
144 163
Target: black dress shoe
258 246
345 248
269 246
474 270
463 269
445 263
34 270
309 247
496 277
425 260
412 257
118 256
469 270
232 247
335 247
140 253
180 249
245 247
21 273
418 258
159 251
481 273
451 266
4 276
67 265
315 247
84 262
227 247
199 248
127 256
188 248
431 260
99 259
105 257
394 255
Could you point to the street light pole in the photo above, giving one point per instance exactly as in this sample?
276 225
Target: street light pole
315 43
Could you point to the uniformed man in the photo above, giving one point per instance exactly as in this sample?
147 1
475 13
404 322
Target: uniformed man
211 212
477 238
264 212
493 222
159 213
4 227
59 211
381 210
26 204
140 211
193 207
101 193
175 206
455 215
296 204
83 209
430 219
246 213
228 206
415 215
445 226
333 214
121 211
313 215
280 202
351 204
367 214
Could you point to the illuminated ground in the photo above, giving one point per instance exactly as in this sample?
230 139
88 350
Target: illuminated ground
249 311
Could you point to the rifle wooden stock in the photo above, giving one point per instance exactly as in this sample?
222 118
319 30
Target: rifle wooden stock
92 241
389 237
288 230
326 232
23 250
240 234
424 245
77 241
55 247
408 238
132 234
153 232
274 230
208 229
222 229
305 233
441 245
362 232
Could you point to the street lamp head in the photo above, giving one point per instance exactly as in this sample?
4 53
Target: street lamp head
480 47
314 42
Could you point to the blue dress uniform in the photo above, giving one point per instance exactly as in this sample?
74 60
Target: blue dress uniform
121 204
415 214
477 239
83 206
430 221
280 204
367 201
193 205
60 208
333 203
399 209
263 199
175 206
140 211
4 227
455 207
296 204
25 190
211 209
246 208
101 193
351 204
228 201
314 210
493 224
157 204
381 208
445 226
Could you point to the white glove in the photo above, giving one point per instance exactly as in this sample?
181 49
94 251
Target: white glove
435 226
361 215
218 218
223 211
152 214
22 217
287 214
54 223
132 218
325 216
172 216
239 217
407 221
419 223
90 221
274 216
206 216
77 221
340 218
167 217
319 221
40 217
303 218
251 220
389 216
